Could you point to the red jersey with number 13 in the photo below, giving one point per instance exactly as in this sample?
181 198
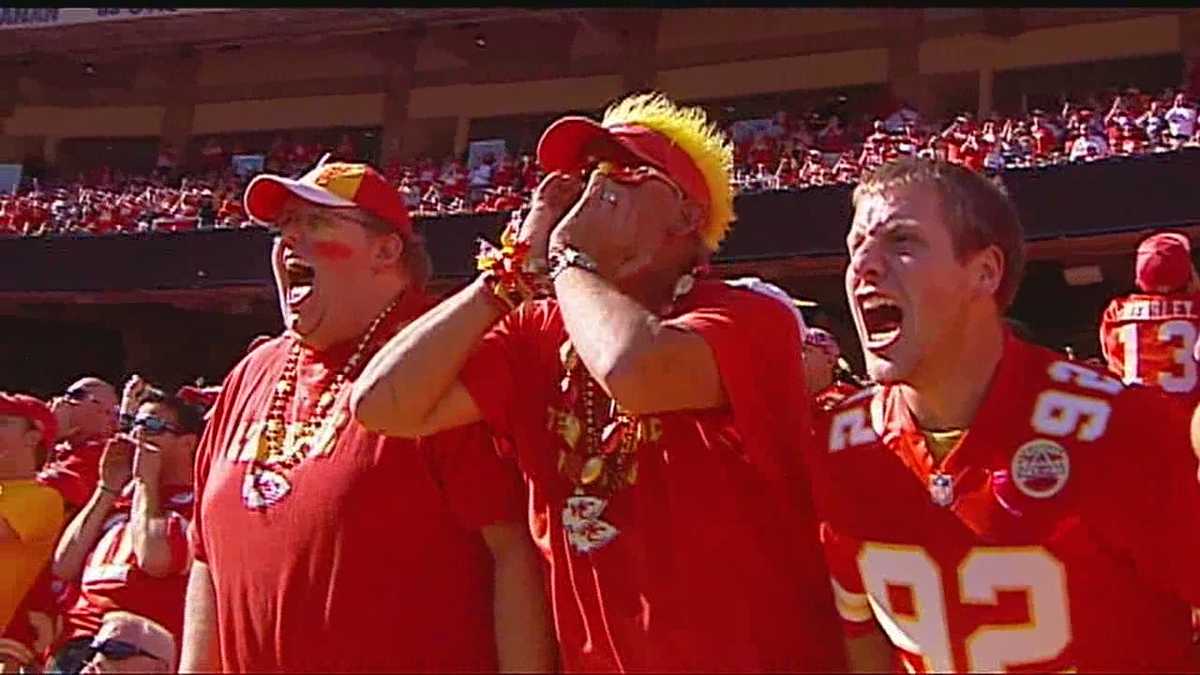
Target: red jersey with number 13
1062 532
1148 339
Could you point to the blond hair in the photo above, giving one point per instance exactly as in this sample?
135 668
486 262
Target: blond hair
690 129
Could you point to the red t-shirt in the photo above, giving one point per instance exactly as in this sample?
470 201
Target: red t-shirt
1148 339
374 561
717 566
1070 538
112 579
73 469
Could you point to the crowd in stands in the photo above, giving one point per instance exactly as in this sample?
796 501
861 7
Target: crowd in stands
794 151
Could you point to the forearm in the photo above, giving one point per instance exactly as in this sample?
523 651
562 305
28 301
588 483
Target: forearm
80 536
403 383
608 328
199 652
148 530
524 637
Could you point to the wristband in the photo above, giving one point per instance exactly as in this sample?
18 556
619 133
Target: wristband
571 257
125 422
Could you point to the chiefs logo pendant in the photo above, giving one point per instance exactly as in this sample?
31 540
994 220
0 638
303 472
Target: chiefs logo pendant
262 489
586 532
1040 468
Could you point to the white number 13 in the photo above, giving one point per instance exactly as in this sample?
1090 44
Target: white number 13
981 575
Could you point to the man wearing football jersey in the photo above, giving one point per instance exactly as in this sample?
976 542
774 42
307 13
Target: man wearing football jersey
127 548
659 417
318 545
1147 337
981 505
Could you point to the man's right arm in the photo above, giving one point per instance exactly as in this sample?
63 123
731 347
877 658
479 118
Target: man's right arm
411 388
80 537
199 653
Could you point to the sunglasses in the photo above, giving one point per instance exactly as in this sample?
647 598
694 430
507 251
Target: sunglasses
155 425
636 175
78 395
117 650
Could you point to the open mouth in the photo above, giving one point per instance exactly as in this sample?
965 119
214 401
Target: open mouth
882 319
300 277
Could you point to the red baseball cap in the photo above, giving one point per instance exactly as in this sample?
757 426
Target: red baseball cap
574 143
34 410
337 184
1164 263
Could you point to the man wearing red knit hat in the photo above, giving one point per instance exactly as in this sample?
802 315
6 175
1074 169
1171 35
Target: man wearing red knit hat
31 514
319 545
659 417
1147 337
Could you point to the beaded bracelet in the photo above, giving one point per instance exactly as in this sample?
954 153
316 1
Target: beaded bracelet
508 272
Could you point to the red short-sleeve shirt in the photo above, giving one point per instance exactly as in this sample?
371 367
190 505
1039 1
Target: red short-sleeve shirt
716 566
374 561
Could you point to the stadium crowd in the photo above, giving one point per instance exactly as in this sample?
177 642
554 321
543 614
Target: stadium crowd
795 151
654 415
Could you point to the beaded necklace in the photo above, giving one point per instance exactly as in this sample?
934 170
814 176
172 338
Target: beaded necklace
600 445
267 478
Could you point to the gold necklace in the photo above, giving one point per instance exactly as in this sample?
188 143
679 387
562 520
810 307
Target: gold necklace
266 481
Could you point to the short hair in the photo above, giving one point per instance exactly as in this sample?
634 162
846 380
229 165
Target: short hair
189 418
978 212
415 260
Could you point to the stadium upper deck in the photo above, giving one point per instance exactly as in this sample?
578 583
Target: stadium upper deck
428 78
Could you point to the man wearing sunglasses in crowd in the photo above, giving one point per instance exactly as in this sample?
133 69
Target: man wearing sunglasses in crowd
128 643
87 417
656 415
128 549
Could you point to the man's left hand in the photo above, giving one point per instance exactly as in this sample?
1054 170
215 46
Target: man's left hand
147 462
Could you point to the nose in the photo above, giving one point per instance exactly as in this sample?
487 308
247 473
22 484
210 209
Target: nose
867 262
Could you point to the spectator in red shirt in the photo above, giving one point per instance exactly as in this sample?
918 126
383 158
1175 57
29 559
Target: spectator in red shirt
319 545
1045 141
127 549
667 493
87 417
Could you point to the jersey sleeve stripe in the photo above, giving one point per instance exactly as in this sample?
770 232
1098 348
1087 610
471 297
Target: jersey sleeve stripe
852 607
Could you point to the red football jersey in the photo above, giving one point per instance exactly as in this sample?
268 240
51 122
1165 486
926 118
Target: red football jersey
1148 339
112 579
1062 532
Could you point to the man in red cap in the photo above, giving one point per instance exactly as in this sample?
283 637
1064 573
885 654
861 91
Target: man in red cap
31 514
319 545
658 417
1147 337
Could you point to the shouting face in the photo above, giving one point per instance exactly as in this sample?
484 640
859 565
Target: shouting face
323 258
908 291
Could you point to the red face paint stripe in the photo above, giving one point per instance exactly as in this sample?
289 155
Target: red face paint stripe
332 250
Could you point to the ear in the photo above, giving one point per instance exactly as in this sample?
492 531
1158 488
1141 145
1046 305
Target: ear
988 270
694 217
387 252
